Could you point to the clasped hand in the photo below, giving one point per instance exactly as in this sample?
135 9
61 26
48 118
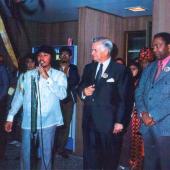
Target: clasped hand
147 120
43 72
88 91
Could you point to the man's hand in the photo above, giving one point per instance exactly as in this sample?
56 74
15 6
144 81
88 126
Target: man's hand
66 69
118 127
8 126
147 120
88 91
43 72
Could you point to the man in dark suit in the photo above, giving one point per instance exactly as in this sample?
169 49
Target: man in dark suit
67 104
152 99
104 89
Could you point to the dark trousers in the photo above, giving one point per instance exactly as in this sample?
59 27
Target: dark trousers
156 151
63 131
101 150
3 134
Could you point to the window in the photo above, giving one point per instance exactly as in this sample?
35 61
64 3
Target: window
135 40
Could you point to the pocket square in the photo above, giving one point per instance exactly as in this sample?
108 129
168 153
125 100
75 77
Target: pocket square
111 80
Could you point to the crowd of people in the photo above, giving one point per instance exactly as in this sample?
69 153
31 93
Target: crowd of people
122 105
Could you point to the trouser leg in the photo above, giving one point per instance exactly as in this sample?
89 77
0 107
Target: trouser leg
164 153
151 154
46 138
63 131
3 134
25 150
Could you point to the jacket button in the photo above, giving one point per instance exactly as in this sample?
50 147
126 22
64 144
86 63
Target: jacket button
92 100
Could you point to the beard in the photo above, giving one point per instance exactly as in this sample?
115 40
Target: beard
63 61
160 57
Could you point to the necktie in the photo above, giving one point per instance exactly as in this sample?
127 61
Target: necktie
159 69
99 73
34 104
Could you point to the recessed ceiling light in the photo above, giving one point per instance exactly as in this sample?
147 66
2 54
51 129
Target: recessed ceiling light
136 9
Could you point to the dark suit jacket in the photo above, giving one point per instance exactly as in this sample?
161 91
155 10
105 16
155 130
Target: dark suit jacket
73 79
4 82
108 104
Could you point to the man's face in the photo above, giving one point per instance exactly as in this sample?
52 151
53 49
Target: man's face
30 64
99 52
65 57
44 59
160 49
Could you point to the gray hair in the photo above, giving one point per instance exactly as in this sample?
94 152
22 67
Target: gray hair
107 43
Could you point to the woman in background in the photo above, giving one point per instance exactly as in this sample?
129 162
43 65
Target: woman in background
136 143
145 57
137 151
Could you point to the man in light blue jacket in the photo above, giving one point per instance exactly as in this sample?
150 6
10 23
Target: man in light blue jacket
51 87
153 105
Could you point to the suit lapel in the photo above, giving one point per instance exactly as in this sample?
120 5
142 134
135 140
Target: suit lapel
107 71
153 72
94 72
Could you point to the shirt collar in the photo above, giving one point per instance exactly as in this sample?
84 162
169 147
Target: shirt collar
164 61
105 65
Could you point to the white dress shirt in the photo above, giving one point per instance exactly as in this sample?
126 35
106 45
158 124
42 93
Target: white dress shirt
105 65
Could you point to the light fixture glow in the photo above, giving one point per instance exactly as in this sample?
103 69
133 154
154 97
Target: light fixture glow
136 9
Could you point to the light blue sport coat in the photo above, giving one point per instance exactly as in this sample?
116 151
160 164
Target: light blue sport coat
153 96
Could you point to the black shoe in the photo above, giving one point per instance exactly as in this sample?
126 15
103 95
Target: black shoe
64 154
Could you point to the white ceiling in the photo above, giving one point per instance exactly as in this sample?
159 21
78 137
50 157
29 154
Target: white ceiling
67 10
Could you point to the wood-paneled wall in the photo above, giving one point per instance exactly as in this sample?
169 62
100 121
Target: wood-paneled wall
161 16
96 23
52 34
55 33
35 34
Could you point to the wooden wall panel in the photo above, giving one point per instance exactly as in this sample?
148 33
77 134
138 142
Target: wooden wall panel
54 33
42 33
161 16
91 24
95 23
135 23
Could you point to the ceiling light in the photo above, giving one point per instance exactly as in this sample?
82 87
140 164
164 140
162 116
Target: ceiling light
136 9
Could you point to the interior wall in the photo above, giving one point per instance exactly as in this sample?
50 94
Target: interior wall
18 36
161 16
93 23
54 33
96 23
29 34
